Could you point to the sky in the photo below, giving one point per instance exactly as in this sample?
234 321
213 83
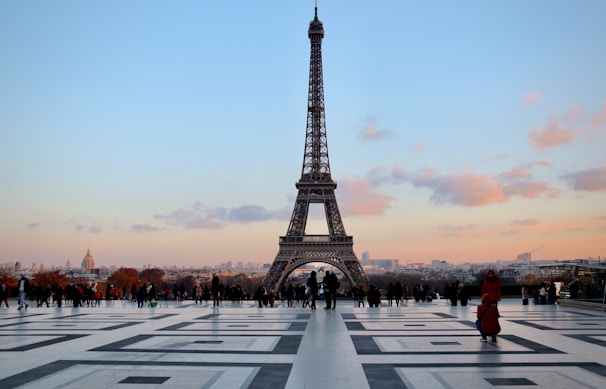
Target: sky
172 133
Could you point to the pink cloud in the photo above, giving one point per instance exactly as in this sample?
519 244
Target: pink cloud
421 146
476 189
468 189
591 180
550 135
532 97
543 163
557 131
372 133
356 197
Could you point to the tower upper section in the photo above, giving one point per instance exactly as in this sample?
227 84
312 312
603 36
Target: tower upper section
316 166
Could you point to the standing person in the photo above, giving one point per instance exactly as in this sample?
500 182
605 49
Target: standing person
463 295
259 295
488 315
312 283
398 292
3 295
543 293
214 286
330 289
23 286
141 294
290 295
525 295
492 286
389 294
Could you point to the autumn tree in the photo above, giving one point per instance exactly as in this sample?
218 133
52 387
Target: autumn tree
50 278
155 276
124 277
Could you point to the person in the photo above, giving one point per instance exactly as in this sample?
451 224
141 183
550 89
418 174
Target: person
290 295
525 295
259 295
312 283
23 286
389 294
488 315
214 286
552 297
331 284
492 286
141 294
398 292
463 295
3 295
543 294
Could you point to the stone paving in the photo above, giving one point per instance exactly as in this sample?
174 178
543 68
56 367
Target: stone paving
188 345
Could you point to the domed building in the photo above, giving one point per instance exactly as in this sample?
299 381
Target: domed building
88 262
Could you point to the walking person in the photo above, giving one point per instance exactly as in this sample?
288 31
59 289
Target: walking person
488 317
23 286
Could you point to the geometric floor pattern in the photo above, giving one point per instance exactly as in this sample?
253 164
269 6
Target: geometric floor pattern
187 345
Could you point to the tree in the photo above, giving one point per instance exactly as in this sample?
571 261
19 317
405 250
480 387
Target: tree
155 276
124 277
50 278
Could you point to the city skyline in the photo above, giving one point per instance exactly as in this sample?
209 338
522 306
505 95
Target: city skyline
157 133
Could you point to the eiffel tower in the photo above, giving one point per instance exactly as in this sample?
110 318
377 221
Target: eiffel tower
315 186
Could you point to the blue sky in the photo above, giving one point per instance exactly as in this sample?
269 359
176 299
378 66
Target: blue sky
172 132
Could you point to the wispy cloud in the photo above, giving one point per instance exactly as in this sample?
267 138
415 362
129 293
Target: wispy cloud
202 217
525 222
457 230
143 228
532 97
32 226
370 133
421 146
591 180
370 130
90 229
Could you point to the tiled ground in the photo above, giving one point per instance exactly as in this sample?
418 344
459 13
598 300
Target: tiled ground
184 345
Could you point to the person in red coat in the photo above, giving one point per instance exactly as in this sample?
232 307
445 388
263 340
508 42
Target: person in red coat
488 314
492 286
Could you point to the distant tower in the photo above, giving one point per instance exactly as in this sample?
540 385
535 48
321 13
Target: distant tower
315 186
68 264
88 262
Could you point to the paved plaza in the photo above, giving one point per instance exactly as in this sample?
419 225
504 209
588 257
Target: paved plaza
184 345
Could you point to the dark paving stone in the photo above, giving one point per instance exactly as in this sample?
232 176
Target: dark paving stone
510 381
144 380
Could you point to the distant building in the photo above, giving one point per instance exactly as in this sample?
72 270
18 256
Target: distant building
524 258
88 262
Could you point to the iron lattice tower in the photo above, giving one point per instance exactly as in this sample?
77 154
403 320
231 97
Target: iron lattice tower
315 186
